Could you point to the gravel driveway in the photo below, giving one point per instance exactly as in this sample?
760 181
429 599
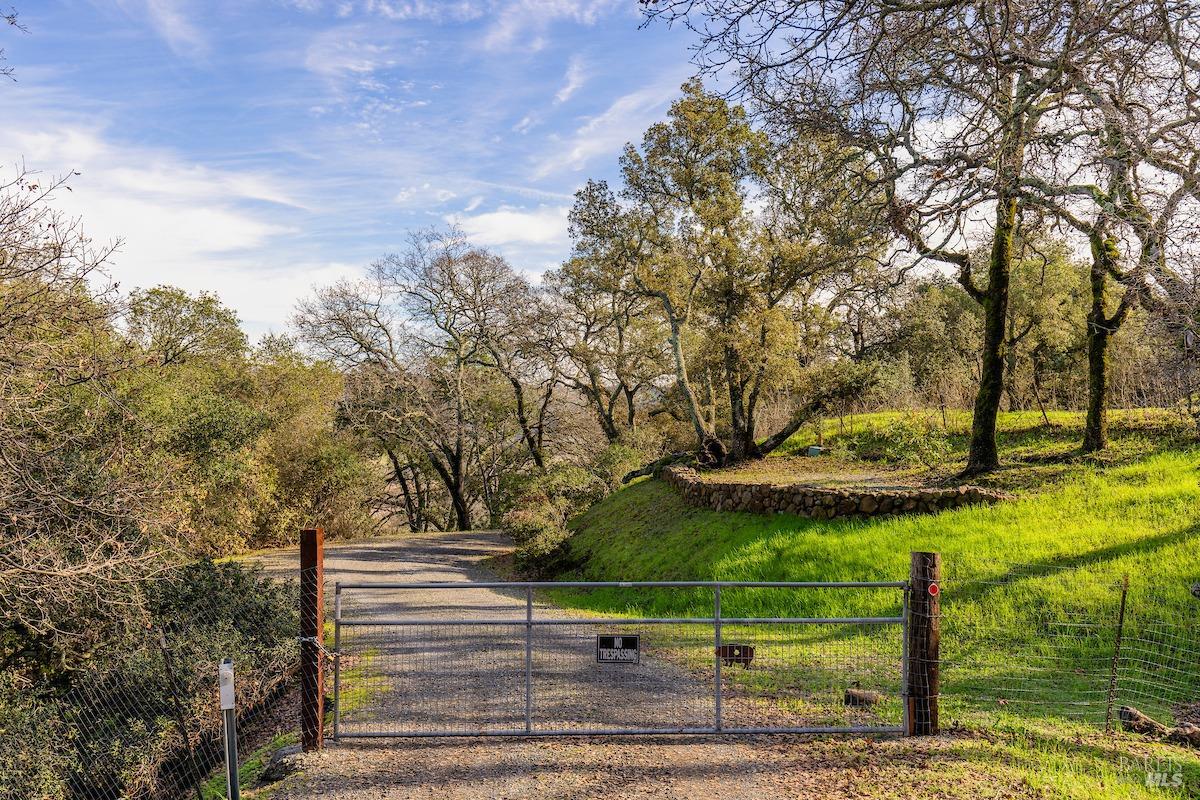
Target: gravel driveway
466 678
472 677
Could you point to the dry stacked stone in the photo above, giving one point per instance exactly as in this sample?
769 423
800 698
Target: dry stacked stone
820 503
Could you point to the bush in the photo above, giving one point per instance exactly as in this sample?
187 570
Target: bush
538 521
114 730
620 458
906 441
31 737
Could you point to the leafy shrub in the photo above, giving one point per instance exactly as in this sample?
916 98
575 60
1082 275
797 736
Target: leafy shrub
620 458
31 737
538 520
114 731
905 441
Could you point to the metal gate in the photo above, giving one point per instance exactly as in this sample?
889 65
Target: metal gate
487 659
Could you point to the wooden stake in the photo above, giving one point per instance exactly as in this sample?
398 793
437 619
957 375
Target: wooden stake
312 629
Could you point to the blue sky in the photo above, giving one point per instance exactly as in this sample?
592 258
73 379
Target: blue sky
260 147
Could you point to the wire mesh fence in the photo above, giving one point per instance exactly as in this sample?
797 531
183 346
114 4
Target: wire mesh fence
140 717
1067 643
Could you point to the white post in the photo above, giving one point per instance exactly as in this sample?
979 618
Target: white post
225 674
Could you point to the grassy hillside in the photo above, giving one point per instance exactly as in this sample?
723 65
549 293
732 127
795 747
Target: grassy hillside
1142 519
1030 582
931 447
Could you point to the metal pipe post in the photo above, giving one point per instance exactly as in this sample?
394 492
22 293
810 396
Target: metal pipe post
229 712
717 654
337 660
904 660
528 658
1116 659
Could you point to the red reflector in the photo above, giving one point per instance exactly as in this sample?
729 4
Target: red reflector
934 590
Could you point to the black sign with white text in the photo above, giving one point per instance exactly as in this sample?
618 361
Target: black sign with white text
618 650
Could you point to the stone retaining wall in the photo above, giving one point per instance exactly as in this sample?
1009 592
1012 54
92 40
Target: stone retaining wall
820 503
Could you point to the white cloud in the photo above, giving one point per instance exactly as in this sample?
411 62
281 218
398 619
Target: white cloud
343 52
510 225
572 82
523 23
431 10
532 239
606 133
171 20
526 123
191 225
423 194
399 10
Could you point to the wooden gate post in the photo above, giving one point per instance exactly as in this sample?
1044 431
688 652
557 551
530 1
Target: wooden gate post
312 631
924 639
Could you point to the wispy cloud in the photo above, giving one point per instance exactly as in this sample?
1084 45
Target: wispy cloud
526 123
321 130
524 23
430 10
606 133
572 82
191 225
172 20
424 195
349 51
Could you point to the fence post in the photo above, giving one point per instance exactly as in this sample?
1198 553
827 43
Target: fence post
1116 659
923 641
229 718
528 659
312 630
718 689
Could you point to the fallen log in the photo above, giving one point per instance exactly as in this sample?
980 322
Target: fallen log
1137 722
655 467
1186 733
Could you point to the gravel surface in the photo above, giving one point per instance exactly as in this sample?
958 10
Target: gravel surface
471 678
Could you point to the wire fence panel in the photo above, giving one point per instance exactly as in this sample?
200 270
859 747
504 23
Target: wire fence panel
836 675
458 678
1159 665
1070 643
140 718
500 663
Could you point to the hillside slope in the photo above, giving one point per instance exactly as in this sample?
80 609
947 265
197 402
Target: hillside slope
1141 519
1030 604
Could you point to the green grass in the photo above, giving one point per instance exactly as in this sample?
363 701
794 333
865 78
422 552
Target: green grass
1020 577
1034 453
251 768
1139 519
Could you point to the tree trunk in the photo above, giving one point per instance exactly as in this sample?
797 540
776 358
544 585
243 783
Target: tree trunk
527 432
685 385
984 454
741 423
451 474
1095 430
462 514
